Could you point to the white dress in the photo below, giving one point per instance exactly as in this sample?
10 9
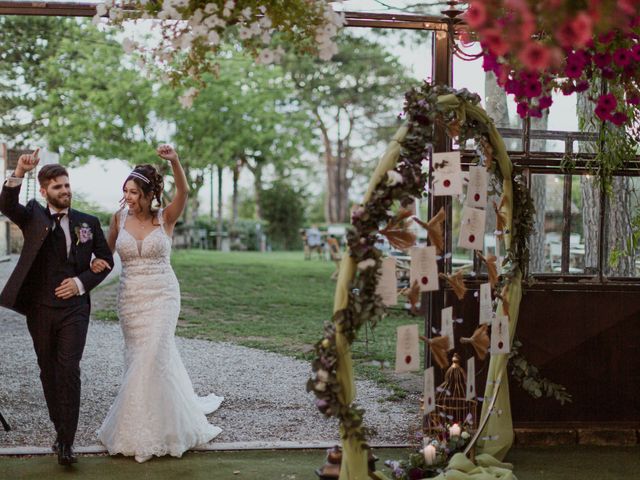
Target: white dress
156 411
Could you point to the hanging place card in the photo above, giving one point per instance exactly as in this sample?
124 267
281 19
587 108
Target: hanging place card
471 378
472 228
407 349
486 304
446 326
429 393
387 286
447 175
500 334
424 268
477 189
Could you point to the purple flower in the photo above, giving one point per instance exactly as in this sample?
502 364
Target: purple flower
532 89
602 113
535 112
579 58
602 59
608 73
619 118
582 86
489 62
545 102
633 100
573 70
523 109
513 87
622 57
635 52
607 101
568 88
607 37
530 76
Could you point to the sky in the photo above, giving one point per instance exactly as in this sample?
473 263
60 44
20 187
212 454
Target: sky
100 181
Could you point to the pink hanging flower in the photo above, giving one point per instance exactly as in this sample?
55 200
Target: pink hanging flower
513 87
535 113
602 113
579 58
545 102
476 15
607 101
635 53
523 109
633 100
619 118
532 89
622 57
575 33
582 86
606 38
602 59
535 56
492 39
573 70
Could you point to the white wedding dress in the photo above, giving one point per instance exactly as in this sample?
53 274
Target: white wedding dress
156 411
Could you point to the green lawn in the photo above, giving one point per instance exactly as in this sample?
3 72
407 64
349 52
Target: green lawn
549 463
273 301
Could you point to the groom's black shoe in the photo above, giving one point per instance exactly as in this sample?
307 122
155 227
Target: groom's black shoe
65 454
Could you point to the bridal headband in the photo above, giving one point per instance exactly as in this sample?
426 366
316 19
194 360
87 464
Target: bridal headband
140 176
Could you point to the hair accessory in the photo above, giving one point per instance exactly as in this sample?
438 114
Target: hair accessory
140 176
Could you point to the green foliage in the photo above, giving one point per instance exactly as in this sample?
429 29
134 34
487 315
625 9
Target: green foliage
92 208
284 213
531 380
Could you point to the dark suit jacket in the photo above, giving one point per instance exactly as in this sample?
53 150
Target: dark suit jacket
35 224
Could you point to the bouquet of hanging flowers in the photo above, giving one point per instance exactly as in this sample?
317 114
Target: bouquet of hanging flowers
535 47
191 33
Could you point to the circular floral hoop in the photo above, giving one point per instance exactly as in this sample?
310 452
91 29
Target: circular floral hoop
399 177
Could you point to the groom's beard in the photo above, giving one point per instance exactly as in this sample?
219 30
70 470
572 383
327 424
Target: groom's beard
60 201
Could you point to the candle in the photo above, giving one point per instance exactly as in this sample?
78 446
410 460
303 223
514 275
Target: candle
455 430
429 453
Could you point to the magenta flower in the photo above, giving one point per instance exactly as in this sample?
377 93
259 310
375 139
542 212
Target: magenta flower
619 118
633 100
579 57
476 15
567 88
489 63
523 109
535 56
535 112
607 101
602 59
532 89
494 42
608 37
602 113
608 73
529 75
544 102
573 70
635 53
582 86
622 57
513 87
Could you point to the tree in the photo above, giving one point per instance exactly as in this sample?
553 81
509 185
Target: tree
350 98
284 213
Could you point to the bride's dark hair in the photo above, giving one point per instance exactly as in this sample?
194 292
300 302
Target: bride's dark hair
148 180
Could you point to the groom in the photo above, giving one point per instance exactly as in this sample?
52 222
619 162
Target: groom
50 285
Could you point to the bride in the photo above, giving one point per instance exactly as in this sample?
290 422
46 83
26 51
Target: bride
156 411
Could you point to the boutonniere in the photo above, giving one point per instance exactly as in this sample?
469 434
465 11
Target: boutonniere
83 233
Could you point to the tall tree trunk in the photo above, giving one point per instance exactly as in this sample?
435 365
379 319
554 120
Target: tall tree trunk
219 229
234 199
257 187
539 196
617 226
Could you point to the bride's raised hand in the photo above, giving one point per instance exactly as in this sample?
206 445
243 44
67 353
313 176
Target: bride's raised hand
167 152
98 265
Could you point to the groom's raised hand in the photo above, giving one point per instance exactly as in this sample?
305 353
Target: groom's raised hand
26 163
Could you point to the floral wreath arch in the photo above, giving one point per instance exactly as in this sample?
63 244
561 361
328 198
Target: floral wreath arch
399 178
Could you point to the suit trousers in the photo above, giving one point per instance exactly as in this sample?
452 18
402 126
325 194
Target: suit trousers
59 335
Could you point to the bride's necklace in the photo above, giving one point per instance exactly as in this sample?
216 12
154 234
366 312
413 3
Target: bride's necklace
141 223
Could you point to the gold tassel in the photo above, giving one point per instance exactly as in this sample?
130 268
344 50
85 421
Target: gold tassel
492 269
456 282
501 218
480 341
396 231
439 347
434 229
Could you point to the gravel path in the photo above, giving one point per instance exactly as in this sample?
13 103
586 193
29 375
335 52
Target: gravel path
265 398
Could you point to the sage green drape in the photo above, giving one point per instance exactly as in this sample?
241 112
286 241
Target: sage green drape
354 458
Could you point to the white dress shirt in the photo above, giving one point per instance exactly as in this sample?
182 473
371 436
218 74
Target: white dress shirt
64 223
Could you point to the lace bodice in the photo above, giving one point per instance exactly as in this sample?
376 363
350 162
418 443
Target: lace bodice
154 249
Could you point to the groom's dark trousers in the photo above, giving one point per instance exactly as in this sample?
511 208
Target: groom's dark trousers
58 327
